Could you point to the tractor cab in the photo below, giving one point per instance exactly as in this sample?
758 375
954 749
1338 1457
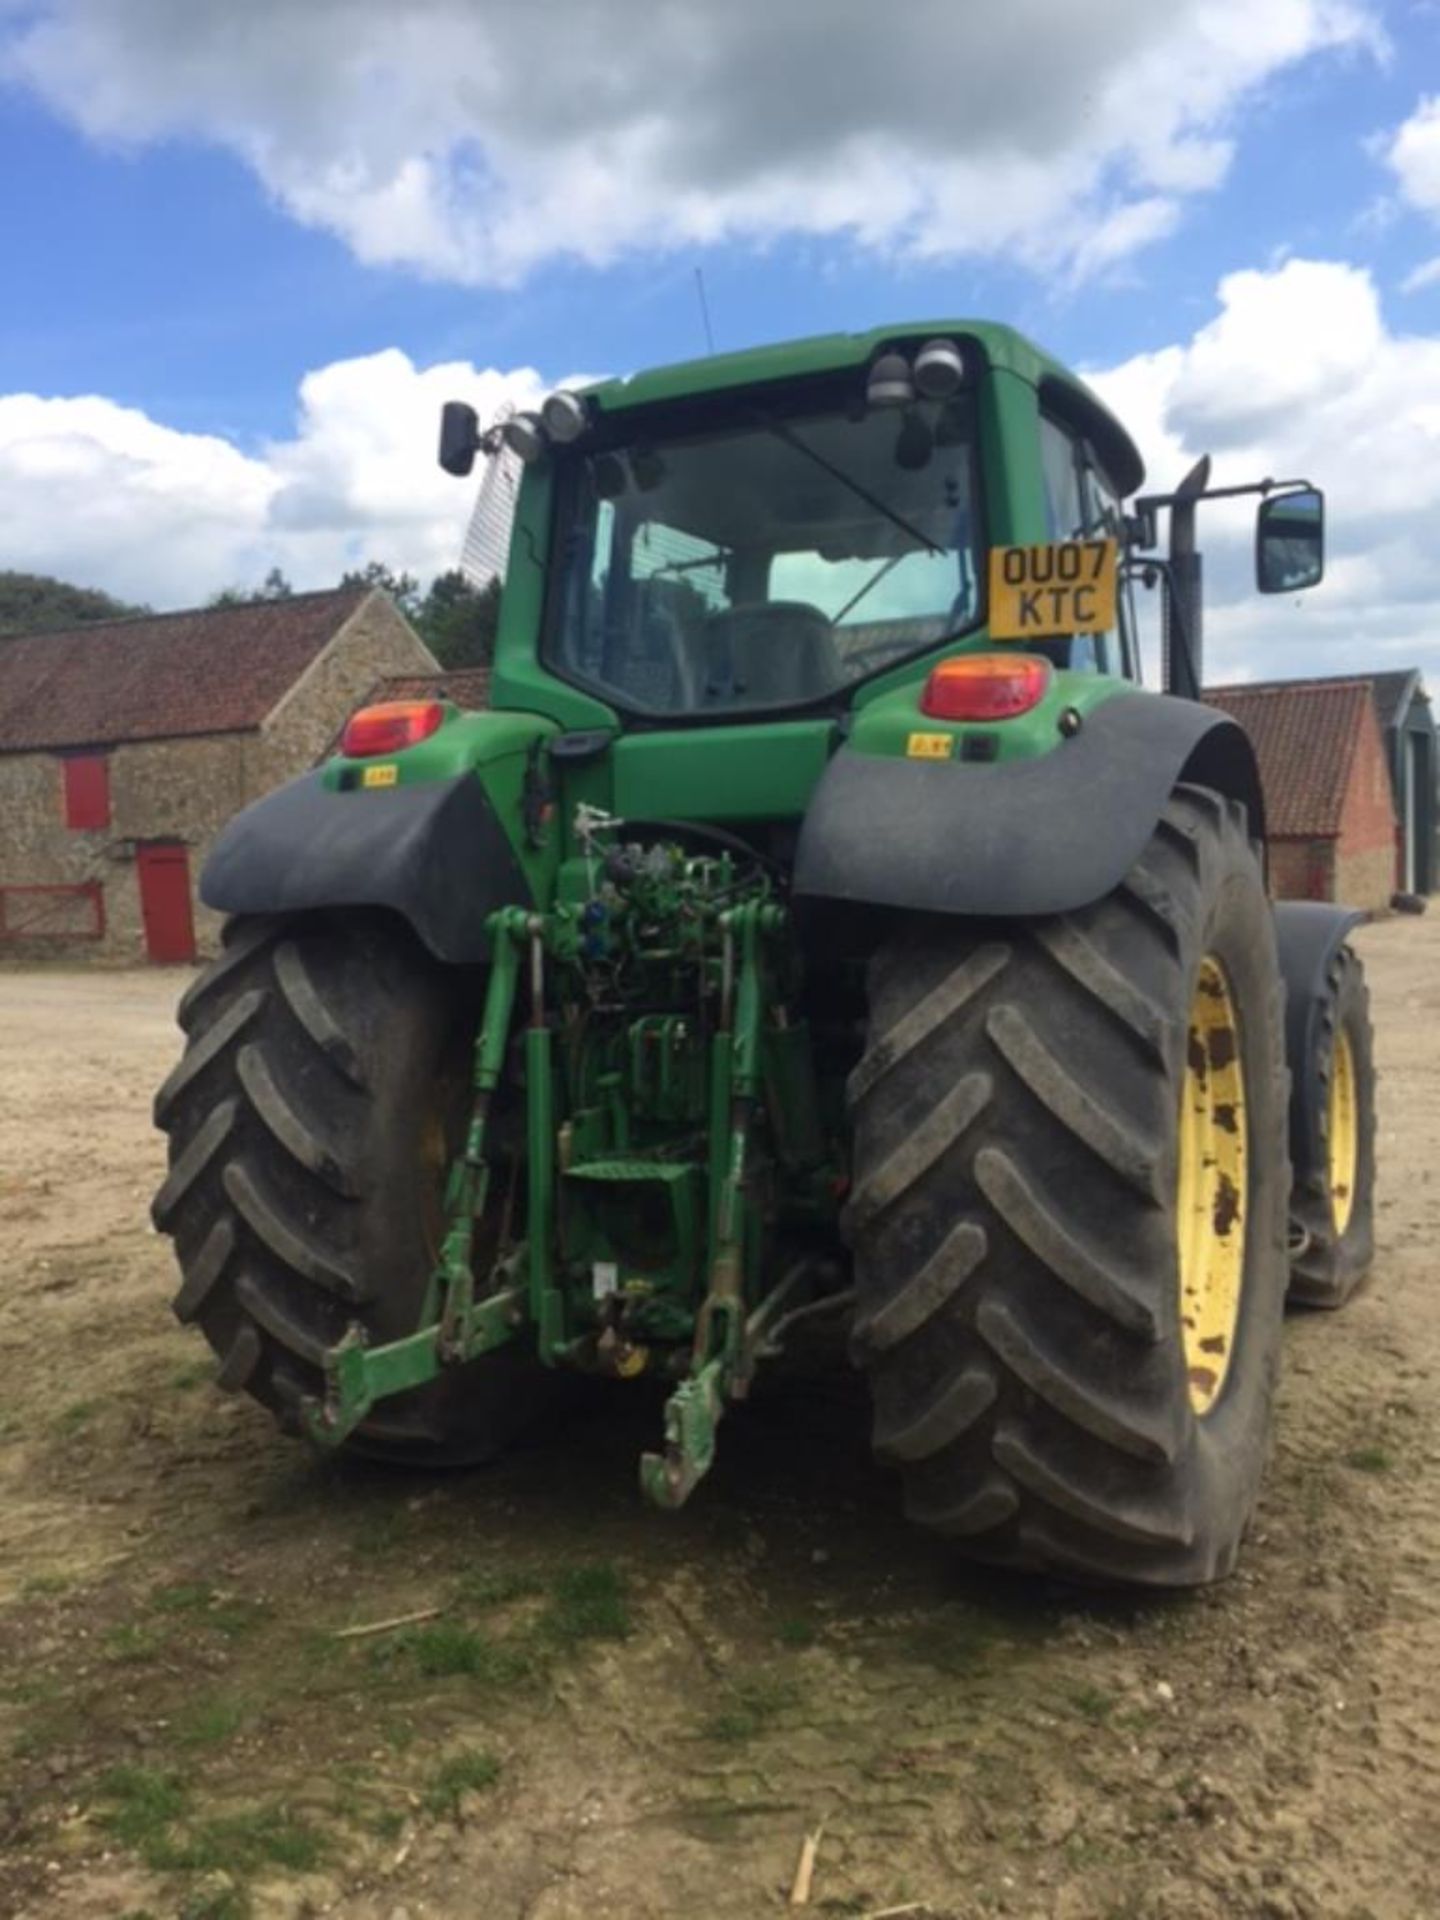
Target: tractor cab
807 530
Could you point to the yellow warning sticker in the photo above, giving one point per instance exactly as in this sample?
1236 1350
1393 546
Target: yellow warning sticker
1066 587
929 746
385 775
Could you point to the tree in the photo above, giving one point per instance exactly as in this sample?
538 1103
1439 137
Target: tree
458 620
403 588
273 587
38 603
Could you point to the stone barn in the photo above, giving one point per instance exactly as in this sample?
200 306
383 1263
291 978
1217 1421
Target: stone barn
125 746
1330 819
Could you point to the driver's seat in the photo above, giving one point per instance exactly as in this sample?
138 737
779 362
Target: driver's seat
769 653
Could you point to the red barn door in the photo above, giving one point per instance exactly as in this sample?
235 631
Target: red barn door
164 874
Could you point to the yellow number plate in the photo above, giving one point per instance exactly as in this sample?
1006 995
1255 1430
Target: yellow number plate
929 746
1068 587
384 776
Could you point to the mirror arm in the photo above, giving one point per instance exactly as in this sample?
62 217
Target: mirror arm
1148 503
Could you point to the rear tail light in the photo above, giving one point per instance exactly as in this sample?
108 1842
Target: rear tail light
389 727
985 686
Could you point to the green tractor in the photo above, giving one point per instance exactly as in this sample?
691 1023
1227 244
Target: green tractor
821 922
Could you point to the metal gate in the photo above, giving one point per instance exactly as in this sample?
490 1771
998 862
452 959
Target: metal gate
53 913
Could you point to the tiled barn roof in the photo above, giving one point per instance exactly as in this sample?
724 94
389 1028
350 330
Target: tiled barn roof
163 675
1304 733
1391 692
466 686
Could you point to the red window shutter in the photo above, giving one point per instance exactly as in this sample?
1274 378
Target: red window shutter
87 791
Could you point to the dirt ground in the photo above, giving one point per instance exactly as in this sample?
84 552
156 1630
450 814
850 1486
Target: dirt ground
615 1712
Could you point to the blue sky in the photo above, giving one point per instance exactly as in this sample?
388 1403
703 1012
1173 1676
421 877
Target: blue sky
207 218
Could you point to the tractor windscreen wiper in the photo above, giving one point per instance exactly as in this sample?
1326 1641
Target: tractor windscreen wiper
792 439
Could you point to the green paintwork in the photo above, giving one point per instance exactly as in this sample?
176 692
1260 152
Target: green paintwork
746 772
884 725
518 680
1005 350
495 745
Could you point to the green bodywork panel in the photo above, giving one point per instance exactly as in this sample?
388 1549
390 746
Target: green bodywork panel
1005 350
746 772
498 747
884 724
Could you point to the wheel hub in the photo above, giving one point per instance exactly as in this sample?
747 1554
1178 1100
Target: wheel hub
1212 1186
1342 1132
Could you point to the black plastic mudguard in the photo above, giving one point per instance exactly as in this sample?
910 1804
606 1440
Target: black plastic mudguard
1020 837
435 854
1308 933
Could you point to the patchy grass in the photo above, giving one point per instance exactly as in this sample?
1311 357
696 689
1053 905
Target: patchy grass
470 1771
380 1533
1092 1703
45 1585
489 1587
796 1633
961 1639
149 1811
580 1604
1371 1459
587 1603
215 1903
230 1614
144 1805
195 1373
76 1417
445 1649
256 1837
753 1705
184 1596
133 1643
387 1824
209 1723
234 1616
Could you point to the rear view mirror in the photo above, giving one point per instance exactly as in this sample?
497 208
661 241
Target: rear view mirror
459 437
1290 541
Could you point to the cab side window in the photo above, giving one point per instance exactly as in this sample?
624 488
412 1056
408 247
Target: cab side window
1080 504
1060 464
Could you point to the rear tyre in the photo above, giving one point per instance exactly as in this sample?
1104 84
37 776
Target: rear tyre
1333 1204
312 1119
1068 1216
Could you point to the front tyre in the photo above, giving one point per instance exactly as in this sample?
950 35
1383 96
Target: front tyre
1333 1205
1069 1216
312 1119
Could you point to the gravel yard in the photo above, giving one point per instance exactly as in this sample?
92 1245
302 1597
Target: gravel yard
609 1712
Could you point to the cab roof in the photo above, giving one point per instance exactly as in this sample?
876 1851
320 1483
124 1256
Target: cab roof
821 353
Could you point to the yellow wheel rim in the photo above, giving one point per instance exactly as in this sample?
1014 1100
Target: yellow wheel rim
1212 1187
1342 1133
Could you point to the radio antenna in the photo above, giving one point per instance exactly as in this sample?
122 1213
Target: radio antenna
704 309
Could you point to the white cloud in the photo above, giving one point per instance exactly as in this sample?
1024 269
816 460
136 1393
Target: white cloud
1414 157
1300 375
1297 373
472 142
104 496
1427 274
